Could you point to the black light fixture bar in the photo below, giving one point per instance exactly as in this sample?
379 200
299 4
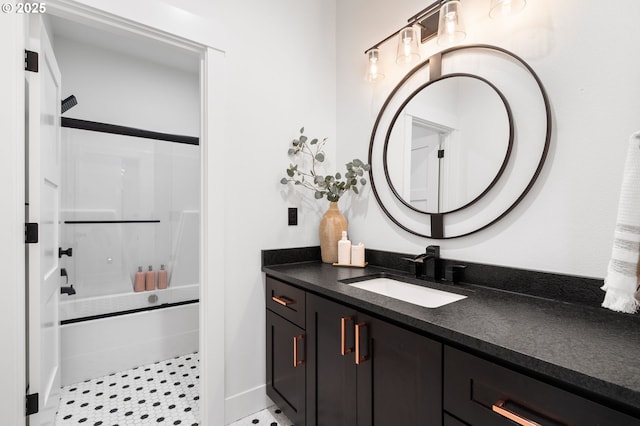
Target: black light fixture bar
426 18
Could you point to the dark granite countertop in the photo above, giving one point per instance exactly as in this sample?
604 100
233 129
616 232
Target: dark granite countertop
585 349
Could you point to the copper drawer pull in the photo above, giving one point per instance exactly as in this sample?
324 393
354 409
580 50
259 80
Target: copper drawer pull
343 339
498 408
296 361
283 300
359 358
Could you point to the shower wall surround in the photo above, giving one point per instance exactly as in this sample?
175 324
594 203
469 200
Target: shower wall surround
128 202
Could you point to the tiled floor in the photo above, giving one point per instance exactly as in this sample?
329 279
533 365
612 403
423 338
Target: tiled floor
164 393
271 416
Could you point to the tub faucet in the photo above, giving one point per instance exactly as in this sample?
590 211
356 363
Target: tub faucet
68 290
427 264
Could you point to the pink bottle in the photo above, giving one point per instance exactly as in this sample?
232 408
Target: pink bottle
150 279
162 278
139 281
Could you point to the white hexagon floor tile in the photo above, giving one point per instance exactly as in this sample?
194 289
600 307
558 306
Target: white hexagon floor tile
163 393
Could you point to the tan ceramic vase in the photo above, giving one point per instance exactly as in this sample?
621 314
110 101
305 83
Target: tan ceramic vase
331 227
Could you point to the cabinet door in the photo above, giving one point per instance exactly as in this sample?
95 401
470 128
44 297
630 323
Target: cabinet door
331 376
286 367
399 376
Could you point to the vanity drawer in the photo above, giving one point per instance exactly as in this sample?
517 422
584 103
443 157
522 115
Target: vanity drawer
286 301
476 390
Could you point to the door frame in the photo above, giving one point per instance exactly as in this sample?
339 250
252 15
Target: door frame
12 174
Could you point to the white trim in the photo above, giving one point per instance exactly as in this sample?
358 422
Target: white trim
246 403
12 249
212 274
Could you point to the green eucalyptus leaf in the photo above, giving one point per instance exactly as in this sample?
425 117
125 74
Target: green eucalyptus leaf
290 172
284 181
291 151
318 179
301 130
298 183
338 176
357 163
313 141
295 142
320 157
318 195
363 181
367 167
360 172
355 189
303 139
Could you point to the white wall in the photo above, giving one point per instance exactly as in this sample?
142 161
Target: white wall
566 222
281 65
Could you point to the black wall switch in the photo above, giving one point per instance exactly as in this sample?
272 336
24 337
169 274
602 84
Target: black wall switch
293 216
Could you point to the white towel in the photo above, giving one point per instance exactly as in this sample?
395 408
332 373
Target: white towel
621 283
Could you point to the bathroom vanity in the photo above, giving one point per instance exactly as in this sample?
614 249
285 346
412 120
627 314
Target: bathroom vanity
341 355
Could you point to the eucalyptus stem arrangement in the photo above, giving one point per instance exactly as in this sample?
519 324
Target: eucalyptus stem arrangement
330 186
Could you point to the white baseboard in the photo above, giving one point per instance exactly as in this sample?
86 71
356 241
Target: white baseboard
246 403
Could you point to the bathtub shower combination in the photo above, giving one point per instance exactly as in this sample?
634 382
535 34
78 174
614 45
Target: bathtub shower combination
128 202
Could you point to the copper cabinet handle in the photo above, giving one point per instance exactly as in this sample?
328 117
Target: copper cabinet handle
498 407
359 358
283 300
343 336
296 361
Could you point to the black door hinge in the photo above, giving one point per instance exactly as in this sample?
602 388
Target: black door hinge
441 153
32 404
30 61
30 233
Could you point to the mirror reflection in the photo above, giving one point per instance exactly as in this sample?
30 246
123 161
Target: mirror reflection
448 144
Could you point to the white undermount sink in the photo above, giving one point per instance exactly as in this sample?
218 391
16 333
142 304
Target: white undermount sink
412 293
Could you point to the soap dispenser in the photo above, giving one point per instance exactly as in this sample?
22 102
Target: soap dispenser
162 278
344 250
138 285
150 279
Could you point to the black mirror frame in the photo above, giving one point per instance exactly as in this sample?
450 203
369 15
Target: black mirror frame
437 219
503 165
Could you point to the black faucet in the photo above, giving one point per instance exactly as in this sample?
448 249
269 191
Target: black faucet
427 264
68 290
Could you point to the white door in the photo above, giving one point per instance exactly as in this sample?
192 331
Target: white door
43 195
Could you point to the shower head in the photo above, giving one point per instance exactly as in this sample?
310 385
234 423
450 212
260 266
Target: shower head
68 103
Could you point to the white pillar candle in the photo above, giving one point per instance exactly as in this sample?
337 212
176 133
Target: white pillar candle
357 254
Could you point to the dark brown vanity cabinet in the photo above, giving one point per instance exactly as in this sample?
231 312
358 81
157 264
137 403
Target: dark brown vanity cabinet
286 353
364 371
482 393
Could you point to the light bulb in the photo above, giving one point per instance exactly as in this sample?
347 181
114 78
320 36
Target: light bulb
374 69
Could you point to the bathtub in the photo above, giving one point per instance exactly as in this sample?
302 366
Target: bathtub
106 334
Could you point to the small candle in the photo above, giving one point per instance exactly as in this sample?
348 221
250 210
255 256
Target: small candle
357 254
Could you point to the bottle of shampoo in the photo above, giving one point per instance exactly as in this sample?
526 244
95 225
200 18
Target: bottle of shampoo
162 278
139 281
150 279
344 250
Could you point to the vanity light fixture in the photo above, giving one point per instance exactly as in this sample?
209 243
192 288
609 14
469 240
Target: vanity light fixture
506 7
421 27
374 68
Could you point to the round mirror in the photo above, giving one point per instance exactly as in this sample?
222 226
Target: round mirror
490 172
448 143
